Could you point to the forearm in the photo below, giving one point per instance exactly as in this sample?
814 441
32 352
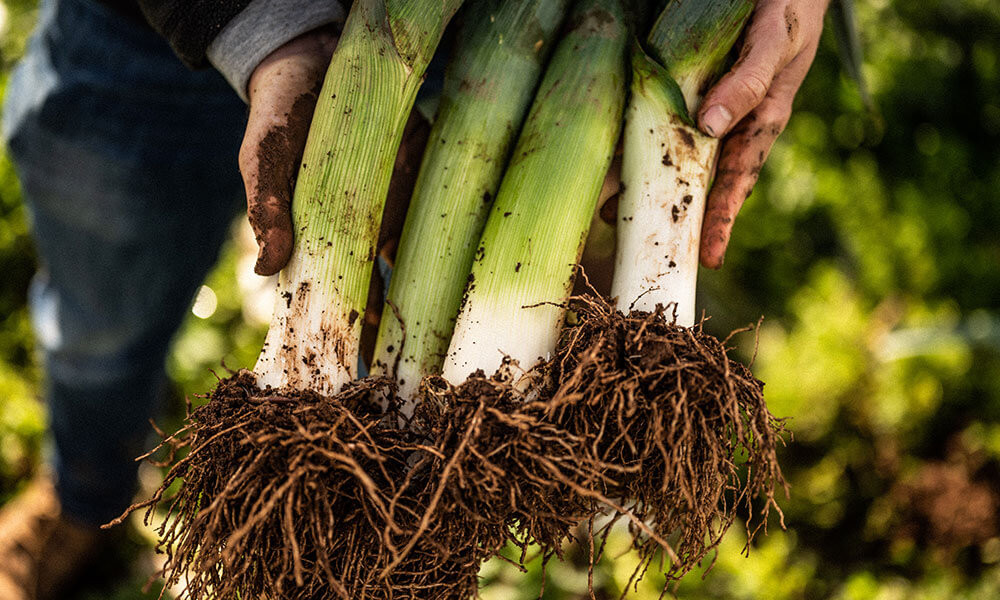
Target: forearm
263 27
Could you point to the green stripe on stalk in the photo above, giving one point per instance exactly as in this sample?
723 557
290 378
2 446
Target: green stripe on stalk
536 230
340 193
488 88
668 163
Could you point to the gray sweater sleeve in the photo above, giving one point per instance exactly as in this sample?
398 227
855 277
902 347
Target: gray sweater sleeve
262 27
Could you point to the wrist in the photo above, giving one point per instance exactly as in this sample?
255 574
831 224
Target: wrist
266 26
296 66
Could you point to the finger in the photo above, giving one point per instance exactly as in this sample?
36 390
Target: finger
742 157
283 90
772 40
269 214
607 202
272 149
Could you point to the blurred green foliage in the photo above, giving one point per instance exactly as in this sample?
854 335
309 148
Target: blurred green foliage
21 416
871 247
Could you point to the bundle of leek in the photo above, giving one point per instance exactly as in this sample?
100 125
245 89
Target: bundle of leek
297 486
630 413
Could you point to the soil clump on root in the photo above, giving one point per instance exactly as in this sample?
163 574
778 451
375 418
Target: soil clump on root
301 497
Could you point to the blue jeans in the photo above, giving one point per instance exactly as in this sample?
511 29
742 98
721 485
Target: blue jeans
128 164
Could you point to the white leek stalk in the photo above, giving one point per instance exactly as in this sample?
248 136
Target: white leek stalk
668 163
343 181
525 262
488 87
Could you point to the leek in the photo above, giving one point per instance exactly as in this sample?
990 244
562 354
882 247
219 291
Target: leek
488 88
340 193
525 262
668 163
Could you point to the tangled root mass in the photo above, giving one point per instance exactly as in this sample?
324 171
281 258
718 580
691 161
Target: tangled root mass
300 496
675 428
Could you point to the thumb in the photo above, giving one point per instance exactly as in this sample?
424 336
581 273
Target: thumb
764 54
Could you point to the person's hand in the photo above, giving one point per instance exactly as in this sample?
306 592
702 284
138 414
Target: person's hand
751 105
282 91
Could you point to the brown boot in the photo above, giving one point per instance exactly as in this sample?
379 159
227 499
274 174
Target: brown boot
41 551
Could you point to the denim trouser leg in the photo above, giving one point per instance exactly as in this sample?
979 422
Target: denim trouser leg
128 165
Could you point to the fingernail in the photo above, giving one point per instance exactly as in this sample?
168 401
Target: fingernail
716 120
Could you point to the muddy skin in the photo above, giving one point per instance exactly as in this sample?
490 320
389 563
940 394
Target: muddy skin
738 170
269 211
791 23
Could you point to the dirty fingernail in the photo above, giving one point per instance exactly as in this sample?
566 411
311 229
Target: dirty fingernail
716 120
